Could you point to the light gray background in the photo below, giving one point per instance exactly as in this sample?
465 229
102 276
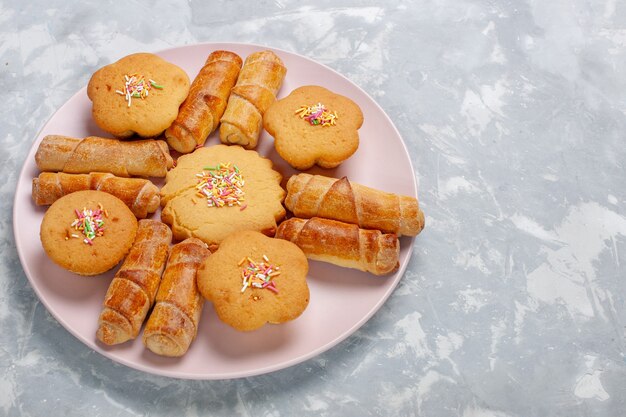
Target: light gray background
514 113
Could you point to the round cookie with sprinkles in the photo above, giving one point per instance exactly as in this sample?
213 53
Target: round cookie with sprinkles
140 93
88 232
218 190
253 279
314 126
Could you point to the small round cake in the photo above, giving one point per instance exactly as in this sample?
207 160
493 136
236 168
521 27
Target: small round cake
88 232
314 126
253 279
139 94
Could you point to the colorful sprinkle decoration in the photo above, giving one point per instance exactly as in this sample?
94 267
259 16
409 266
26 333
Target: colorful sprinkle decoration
317 114
135 86
258 274
90 223
221 185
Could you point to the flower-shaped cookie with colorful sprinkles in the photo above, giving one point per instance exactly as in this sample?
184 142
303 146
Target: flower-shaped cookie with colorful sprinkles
217 190
313 125
253 279
139 94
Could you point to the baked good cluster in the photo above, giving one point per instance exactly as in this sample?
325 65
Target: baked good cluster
188 223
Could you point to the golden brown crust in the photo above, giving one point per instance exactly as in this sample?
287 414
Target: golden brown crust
173 323
343 244
133 289
189 215
220 281
302 144
65 245
148 116
339 199
260 79
200 113
144 158
140 195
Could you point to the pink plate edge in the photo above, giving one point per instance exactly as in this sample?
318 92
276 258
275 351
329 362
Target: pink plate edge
257 371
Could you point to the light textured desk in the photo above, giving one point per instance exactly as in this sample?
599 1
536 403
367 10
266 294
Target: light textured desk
514 113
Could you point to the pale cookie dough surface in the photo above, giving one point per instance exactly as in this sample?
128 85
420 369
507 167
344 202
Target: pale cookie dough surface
188 213
303 145
220 281
148 116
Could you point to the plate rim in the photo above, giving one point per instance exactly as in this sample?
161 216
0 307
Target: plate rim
232 375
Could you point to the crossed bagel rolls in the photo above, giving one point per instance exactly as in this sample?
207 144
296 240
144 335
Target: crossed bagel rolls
343 244
173 323
133 288
140 195
143 158
339 199
260 79
200 113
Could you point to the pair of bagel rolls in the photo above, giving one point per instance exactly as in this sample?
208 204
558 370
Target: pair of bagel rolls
149 277
227 93
173 323
348 224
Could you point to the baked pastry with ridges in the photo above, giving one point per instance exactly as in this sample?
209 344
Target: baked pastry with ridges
340 199
133 288
173 323
343 244
140 195
142 158
200 113
258 83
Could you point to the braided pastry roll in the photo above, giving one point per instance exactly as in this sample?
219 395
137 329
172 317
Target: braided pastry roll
343 244
143 158
173 323
140 195
133 289
339 199
200 113
258 83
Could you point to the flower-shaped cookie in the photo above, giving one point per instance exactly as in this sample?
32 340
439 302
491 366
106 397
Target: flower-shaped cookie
217 190
253 279
140 94
313 125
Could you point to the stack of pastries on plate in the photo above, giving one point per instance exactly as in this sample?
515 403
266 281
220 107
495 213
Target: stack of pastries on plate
223 233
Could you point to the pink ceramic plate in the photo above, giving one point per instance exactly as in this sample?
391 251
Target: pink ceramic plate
341 299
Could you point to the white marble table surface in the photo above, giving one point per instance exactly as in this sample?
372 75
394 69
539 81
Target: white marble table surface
514 113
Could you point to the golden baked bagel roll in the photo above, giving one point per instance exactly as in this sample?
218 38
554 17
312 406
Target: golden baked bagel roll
140 195
143 158
173 323
343 244
260 79
133 288
339 199
200 113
